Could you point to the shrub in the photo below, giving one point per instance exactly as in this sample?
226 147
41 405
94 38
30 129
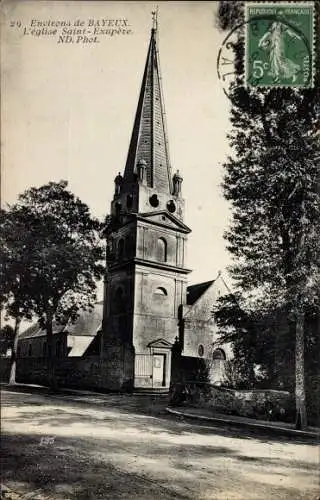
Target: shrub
313 399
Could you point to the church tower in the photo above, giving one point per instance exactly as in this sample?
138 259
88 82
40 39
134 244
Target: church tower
146 276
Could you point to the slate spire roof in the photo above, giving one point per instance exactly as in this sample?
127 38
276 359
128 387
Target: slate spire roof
149 137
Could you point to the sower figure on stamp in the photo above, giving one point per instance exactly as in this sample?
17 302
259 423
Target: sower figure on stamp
273 41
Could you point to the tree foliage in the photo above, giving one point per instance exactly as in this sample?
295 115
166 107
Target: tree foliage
6 338
272 182
52 256
15 277
64 250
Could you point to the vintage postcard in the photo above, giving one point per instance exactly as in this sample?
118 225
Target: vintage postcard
159 240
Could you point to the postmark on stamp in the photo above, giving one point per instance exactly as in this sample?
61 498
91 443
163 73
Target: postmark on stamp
279 48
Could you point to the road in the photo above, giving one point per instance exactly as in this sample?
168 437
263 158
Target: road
80 447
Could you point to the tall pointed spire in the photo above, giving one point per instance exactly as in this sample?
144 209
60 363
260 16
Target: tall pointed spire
149 137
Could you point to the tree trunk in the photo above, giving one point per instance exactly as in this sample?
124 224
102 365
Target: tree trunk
301 412
51 361
13 363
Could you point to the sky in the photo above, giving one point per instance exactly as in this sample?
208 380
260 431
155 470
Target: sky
68 108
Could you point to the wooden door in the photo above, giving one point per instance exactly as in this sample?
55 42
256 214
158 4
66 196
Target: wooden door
158 371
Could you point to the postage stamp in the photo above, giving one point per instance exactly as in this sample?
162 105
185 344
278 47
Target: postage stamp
279 48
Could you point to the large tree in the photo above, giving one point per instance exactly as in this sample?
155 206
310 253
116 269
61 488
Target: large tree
59 255
15 280
272 182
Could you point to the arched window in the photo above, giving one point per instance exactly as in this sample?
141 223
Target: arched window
218 354
121 249
30 350
162 250
160 291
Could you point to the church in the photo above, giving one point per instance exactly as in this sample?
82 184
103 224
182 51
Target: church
148 306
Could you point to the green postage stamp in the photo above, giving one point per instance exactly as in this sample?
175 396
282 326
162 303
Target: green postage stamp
279 49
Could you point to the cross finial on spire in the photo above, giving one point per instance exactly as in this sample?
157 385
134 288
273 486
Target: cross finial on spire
155 18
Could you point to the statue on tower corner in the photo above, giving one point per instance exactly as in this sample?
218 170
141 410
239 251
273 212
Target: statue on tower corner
141 170
177 181
118 183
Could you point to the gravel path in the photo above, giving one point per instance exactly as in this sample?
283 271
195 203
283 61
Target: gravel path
126 447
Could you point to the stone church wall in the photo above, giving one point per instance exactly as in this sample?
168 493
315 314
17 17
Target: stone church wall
35 347
157 296
118 308
70 372
199 328
4 369
113 372
148 240
199 333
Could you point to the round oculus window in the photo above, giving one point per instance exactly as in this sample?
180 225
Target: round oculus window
171 206
200 350
154 200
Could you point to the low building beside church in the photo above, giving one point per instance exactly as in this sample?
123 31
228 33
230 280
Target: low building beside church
81 338
198 331
148 305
